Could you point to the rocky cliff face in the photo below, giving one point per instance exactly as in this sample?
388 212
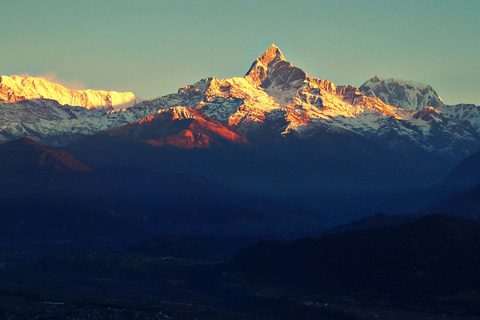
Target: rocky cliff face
180 127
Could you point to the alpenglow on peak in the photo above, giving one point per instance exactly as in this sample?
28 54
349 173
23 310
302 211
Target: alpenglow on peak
20 88
271 68
272 53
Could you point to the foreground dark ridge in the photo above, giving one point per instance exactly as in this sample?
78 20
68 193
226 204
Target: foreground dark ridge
425 269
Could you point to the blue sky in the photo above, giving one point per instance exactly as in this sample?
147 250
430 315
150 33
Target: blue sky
154 47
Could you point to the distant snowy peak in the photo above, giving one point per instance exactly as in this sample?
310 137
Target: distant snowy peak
418 96
17 88
467 112
401 93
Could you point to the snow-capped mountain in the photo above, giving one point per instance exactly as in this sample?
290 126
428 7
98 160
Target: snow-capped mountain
18 88
415 96
278 95
400 93
273 95
52 114
49 122
463 111
276 132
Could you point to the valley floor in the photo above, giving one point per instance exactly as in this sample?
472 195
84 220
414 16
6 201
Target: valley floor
126 285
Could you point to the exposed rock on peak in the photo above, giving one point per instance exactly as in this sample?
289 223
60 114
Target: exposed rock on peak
180 127
375 79
271 54
272 70
427 114
181 113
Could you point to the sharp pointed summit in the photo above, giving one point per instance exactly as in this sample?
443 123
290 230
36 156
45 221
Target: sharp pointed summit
271 69
272 53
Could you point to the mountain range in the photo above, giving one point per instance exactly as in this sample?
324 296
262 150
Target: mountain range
20 88
273 95
412 95
275 195
275 133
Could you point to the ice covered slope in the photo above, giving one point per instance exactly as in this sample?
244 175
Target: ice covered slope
49 122
416 96
18 88
463 111
401 93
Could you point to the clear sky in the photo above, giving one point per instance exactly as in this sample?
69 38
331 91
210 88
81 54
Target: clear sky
154 47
